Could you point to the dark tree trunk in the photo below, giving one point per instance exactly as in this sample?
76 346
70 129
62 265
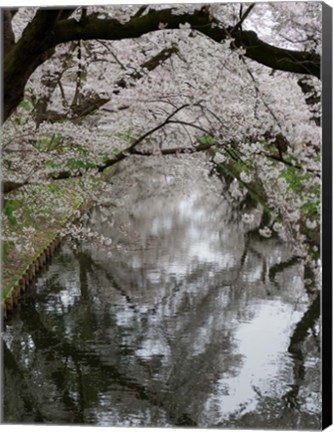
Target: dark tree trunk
31 50
8 34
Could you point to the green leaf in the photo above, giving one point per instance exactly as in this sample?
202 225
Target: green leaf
105 157
115 151
57 139
209 140
5 292
26 106
82 150
38 146
78 164
53 189
20 121
10 207
90 165
5 250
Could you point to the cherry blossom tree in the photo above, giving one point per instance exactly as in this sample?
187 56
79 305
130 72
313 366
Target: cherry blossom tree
87 87
49 28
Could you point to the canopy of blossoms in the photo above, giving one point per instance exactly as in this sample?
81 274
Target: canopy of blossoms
238 81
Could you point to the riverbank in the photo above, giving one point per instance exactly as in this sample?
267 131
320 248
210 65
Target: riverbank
33 220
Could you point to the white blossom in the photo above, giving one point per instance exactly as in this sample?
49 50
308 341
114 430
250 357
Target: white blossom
245 177
219 158
277 227
294 216
265 232
247 218
185 26
282 183
311 224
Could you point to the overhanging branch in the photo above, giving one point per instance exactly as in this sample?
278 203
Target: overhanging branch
276 58
51 27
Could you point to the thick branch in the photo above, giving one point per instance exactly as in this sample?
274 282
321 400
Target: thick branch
273 57
9 186
86 107
301 62
31 50
49 29
167 151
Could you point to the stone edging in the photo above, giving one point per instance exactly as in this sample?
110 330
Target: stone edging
33 270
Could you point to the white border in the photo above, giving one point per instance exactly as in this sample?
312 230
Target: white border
50 3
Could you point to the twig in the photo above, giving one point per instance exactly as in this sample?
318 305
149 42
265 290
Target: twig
243 18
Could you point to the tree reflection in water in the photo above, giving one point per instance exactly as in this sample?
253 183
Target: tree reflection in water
192 320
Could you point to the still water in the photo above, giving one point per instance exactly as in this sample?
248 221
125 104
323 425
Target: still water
184 317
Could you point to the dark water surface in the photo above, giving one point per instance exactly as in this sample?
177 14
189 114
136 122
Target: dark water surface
185 319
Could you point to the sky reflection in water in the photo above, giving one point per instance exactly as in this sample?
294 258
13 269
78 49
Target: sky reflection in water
181 325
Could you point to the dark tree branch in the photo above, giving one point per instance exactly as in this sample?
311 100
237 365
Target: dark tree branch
279 159
276 58
86 107
168 151
66 13
286 60
30 51
128 150
112 53
149 65
49 28
14 11
78 81
312 98
184 123
176 150
9 186
141 11
51 81
243 17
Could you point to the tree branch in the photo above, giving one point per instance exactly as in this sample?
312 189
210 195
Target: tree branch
9 186
168 151
243 16
149 65
110 29
286 60
50 28
312 98
176 150
30 51
132 148
91 103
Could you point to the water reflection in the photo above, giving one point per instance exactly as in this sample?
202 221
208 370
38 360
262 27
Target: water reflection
186 319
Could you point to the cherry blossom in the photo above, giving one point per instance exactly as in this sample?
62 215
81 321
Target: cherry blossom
92 99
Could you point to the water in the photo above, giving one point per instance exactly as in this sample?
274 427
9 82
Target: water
185 319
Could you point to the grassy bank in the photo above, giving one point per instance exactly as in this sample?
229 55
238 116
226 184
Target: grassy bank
33 218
